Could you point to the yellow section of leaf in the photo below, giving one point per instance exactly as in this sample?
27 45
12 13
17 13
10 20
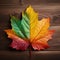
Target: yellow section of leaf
37 28
42 27
33 16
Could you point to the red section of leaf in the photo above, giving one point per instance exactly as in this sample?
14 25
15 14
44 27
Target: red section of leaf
17 43
42 42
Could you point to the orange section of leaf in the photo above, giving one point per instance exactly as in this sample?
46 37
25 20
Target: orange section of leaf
42 42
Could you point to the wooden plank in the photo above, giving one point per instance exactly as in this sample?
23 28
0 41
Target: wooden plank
15 2
50 11
33 55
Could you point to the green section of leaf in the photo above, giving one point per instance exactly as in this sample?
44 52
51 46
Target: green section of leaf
25 25
21 27
16 26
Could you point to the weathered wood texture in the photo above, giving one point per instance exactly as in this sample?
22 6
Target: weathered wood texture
35 55
16 2
45 8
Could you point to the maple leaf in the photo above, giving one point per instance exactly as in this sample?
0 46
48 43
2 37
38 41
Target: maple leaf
30 31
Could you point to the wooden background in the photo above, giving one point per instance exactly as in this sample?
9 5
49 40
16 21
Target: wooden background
45 8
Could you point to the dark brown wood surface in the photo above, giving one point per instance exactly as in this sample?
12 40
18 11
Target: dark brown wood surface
45 8
35 55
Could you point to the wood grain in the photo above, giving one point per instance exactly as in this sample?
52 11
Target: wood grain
35 55
45 8
15 2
